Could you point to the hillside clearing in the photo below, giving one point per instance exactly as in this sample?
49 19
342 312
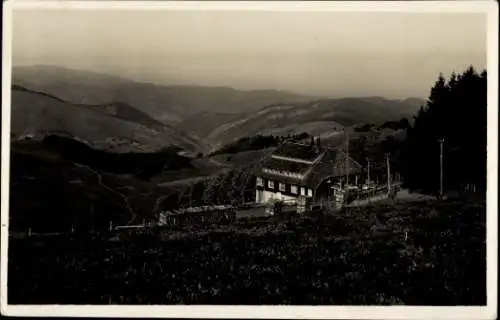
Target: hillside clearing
430 253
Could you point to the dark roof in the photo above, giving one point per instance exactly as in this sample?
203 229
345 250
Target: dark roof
284 179
332 164
284 165
298 151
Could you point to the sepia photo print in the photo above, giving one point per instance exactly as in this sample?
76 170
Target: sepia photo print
215 154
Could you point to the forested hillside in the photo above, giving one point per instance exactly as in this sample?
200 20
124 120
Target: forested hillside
141 165
456 111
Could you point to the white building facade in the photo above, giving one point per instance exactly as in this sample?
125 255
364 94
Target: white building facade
298 171
283 175
272 189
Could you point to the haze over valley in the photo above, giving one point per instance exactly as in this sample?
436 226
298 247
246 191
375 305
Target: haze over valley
275 157
209 84
147 116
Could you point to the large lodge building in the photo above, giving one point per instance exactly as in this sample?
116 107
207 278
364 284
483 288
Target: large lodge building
304 171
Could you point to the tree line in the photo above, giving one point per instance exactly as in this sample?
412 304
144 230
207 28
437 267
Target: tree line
258 142
401 124
456 111
141 165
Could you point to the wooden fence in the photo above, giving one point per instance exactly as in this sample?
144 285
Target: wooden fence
375 192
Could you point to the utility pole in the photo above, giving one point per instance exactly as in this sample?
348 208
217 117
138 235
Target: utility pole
441 141
347 161
368 160
388 172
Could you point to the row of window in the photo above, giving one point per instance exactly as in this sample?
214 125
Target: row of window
294 189
284 173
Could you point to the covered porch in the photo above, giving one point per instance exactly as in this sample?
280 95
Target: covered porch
332 186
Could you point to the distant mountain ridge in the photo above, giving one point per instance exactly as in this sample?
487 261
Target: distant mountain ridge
202 117
116 109
321 117
166 104
115 127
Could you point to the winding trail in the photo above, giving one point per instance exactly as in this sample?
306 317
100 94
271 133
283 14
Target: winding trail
159 200
182 182
121 195
218 163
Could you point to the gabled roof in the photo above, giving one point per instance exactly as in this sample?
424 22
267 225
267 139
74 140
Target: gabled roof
331 164
298 151
285 165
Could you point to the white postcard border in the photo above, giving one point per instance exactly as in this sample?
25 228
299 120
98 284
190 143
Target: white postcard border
309 312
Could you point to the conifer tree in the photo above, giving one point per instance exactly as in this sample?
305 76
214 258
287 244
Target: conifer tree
456 112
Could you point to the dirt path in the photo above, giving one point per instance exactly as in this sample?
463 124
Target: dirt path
121 195
182 182
217 163
186 181
159 200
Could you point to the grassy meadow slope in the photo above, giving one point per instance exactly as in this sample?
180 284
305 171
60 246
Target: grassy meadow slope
216 115
167 104
423 253
88 187
202 124
116 126
75 196
323 117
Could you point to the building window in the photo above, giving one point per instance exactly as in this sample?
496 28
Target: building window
270 184
282 187
260 183
309 192
303 191
293 189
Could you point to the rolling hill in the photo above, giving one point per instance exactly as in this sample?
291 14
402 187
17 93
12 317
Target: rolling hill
201 125
322 117
88 187
116 127
187 115
167 104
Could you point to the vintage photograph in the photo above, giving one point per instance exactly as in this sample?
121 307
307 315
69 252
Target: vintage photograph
162 156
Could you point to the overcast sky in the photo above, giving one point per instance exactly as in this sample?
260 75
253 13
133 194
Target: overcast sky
334 54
